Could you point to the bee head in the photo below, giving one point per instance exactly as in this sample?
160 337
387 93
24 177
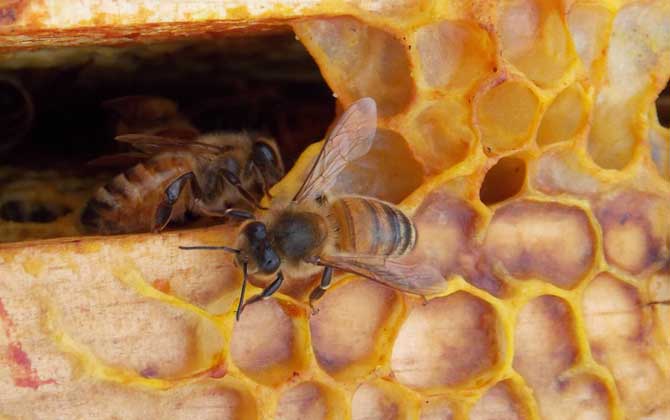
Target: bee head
257 249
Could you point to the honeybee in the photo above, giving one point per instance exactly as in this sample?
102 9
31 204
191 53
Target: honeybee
316 232
153 115
206 176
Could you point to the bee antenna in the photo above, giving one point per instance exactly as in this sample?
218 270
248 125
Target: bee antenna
221 248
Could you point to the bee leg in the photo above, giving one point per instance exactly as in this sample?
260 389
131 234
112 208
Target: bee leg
234 180
263 182
231 212
239 214
240 304
319 290
172 192
266 293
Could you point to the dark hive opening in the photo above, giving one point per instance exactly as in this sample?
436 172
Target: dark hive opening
663 106
52 117
504 180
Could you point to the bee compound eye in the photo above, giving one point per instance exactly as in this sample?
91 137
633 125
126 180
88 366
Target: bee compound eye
256 231
269 260
262 154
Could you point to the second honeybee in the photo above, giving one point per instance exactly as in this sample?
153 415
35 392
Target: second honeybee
171 177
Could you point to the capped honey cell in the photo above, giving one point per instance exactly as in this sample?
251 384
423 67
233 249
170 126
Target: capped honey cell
548 241
345 341
506 115
447 342
265 343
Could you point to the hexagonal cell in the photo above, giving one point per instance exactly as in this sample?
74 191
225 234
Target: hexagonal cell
88 399
308 400
504 180
557 171
444 134
582 397
372 176
380 400
612 138
350 326
446 227
634 227
208 400
637 43
499 403
612 311
549 241
545 347
436 409
566 115
535 40
506 115
149 337
454 54
358 60
446 342
544 340
621 338
265 343
589 25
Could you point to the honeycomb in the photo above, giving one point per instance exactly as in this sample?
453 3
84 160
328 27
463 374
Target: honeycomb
522 137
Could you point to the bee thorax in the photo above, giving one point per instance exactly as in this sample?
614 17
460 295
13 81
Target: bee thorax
298 235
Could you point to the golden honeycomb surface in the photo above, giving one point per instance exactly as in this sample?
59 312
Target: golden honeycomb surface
525 144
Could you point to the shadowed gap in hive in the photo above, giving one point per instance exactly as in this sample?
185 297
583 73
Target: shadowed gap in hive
264 83
663 106
504 180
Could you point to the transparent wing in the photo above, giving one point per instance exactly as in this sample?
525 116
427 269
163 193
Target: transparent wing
127 105
350 139
409 276
151 144
118 160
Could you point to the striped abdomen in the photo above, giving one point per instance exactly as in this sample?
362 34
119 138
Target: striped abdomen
372 227
128 203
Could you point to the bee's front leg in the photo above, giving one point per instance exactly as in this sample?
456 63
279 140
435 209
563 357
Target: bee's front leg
270 290
264 183
326 279
234 180
234 213
172 192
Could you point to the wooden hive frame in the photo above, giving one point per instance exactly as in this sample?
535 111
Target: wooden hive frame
548 220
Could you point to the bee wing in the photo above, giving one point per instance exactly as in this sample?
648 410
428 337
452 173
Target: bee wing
118 160
128 104
350 139
187 133
153 144
409 276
